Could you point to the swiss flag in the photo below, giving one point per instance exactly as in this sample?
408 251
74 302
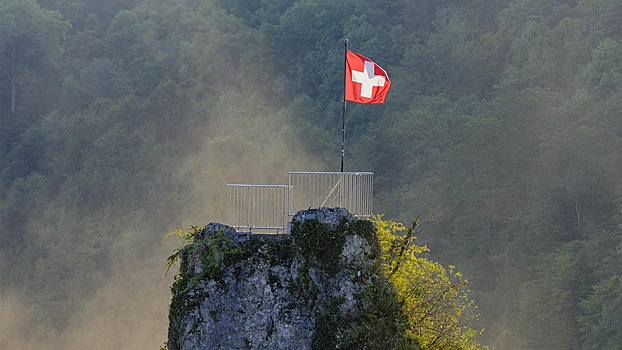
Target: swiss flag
366 82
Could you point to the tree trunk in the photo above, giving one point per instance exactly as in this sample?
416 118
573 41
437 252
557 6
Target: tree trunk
577 208
13 93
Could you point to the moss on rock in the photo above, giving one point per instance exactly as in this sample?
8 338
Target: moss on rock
322 287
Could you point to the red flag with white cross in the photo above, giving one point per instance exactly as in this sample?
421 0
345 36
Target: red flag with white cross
366 82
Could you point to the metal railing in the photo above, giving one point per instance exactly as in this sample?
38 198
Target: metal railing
350 190
267 207
262 207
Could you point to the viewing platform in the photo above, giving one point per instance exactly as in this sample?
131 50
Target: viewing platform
268 208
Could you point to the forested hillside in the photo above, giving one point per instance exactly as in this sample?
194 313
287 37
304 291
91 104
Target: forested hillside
122 120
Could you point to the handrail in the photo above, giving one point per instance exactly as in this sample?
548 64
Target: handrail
267 207
261 207
351 190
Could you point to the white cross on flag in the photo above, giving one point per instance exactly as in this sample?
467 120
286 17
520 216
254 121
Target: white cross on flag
366 82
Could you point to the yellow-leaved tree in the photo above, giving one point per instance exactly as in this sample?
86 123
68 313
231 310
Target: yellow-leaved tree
434 298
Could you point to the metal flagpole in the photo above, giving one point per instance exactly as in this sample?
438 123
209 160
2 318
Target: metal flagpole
343 124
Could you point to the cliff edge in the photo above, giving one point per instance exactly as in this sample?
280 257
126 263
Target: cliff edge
319 288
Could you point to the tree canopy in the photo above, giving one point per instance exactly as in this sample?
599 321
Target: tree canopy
122 120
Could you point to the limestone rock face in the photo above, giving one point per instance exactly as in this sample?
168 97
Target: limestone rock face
325 215
268 293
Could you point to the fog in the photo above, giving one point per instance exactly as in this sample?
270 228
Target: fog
121 121
242 141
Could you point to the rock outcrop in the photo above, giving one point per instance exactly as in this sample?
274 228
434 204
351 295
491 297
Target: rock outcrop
310 289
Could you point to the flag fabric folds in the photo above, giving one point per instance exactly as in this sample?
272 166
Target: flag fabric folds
366 82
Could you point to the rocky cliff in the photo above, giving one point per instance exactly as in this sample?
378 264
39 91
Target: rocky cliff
319 288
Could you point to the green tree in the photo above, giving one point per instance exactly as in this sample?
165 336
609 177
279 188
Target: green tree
549 302
604 72
601 324
29 50
434 298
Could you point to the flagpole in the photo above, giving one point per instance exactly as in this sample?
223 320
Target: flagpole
343 123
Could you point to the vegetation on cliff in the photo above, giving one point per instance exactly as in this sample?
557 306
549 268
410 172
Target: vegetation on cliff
433 297
404 301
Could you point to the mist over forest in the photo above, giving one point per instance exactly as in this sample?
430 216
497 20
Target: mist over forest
122 120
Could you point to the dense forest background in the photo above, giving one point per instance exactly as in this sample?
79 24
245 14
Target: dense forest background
122 120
